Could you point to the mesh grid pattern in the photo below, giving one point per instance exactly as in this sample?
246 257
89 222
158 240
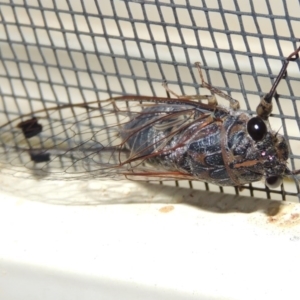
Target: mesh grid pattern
58 52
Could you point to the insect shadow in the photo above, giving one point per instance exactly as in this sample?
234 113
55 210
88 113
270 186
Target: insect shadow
94 193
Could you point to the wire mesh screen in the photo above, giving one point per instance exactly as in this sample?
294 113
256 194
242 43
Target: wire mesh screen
74 52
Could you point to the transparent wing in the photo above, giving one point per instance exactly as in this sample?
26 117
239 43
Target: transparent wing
83 141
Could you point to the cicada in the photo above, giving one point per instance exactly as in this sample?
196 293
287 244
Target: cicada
139 137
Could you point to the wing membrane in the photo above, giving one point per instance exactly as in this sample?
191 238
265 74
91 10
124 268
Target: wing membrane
84 141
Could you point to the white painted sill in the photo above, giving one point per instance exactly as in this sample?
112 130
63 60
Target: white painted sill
162 243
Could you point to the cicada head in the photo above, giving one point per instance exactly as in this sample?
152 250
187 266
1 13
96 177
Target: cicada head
272 148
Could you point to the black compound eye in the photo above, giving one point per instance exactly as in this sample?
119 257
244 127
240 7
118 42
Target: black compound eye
273 182
256 128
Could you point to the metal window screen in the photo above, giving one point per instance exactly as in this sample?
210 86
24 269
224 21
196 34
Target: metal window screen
58 52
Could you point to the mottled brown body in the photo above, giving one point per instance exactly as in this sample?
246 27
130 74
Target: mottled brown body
215 147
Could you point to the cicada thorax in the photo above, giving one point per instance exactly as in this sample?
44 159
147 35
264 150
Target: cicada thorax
250 157
212 154
213 147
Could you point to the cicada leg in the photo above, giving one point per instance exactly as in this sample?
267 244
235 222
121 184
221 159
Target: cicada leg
295 178
211 99
234 104
265 107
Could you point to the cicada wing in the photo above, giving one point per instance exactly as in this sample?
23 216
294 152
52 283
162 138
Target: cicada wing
83 141
66 141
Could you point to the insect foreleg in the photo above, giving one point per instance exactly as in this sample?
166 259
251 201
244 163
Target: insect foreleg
211 99
234 104
265 107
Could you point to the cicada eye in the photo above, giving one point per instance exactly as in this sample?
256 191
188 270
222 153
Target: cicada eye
273 182
256 128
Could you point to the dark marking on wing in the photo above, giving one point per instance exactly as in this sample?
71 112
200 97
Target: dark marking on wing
39 157
30 128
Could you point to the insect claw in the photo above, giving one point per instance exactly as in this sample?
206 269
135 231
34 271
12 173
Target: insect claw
203 83
168 90
282 74
265 107
235 105
295 172
241 188
295 53
276 96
